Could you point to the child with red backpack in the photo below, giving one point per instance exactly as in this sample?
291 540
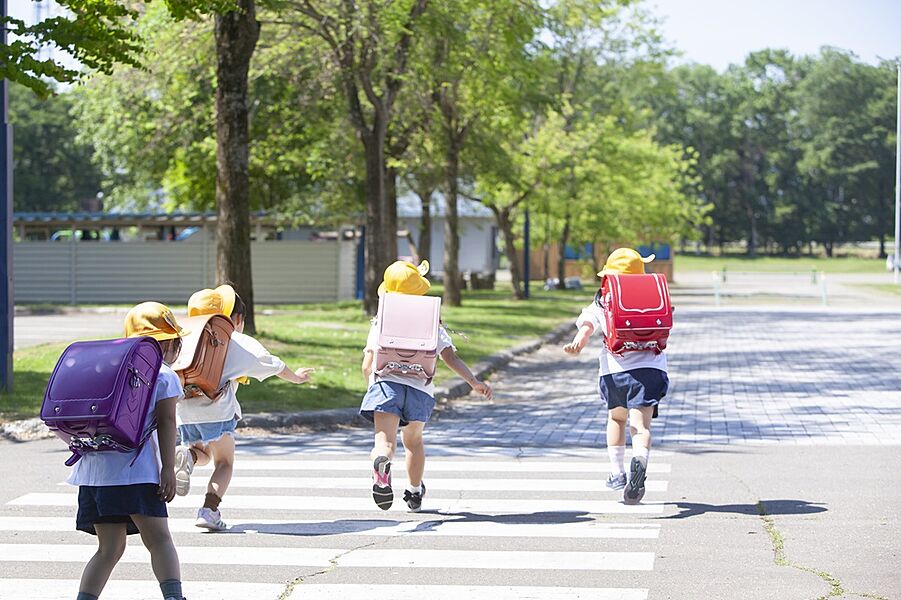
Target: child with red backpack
123 493
634 316
400 392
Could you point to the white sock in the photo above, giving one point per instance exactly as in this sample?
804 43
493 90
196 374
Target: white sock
617 456
641 451
415 490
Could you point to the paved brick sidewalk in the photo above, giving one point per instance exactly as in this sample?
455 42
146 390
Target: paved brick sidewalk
804 376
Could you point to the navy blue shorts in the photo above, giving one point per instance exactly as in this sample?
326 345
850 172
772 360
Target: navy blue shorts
638 388
116 504
406 402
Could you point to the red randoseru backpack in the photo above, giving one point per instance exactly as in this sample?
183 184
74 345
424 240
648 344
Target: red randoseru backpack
638 312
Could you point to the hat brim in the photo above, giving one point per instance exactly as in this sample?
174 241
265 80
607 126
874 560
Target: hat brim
162 336
644 259
424 286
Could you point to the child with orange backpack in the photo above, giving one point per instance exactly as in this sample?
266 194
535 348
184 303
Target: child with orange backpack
633 374
206 425
401 393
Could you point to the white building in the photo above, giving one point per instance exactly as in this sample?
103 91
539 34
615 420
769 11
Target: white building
478 233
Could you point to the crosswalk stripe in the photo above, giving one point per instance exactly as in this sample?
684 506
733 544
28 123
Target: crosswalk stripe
471 466
324 557
382 527
54 589
435 449
334 503
595 486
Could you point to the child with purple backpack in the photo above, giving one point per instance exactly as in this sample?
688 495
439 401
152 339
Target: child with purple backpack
399 400
123 493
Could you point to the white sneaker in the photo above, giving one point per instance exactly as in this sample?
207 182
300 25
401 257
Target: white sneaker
184 466
208 518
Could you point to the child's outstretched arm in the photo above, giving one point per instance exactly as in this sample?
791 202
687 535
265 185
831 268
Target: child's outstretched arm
165 431
301 375
578 344
456 364
368 357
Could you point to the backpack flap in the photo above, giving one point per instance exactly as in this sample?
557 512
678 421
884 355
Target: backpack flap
408 335
203 353
638 311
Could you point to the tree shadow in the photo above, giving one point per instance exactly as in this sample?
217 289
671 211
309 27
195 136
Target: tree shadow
772 507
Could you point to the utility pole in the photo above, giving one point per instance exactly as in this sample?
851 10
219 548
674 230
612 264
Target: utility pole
6 230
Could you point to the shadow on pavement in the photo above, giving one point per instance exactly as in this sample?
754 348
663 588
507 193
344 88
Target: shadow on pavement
773 507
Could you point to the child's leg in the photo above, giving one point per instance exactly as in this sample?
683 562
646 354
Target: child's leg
163 556
223 453
201 454
415 451
616 439
640 427
385 434
111 545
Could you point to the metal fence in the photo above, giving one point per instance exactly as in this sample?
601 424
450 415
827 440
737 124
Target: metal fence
126 272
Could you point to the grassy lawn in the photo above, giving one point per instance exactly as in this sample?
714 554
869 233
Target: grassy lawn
888 288
687 262
330 337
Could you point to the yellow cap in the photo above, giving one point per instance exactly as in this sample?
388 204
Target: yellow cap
220 301
625 261
402 277
154 320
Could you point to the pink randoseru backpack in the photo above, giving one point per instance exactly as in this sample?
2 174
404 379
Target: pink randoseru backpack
99 394
408 336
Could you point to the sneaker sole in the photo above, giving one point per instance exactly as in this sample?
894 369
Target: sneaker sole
382 495
418 507
183 470
634 490
210 526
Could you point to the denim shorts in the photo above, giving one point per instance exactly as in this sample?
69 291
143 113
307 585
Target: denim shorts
638 388
194 433
116 504
406 402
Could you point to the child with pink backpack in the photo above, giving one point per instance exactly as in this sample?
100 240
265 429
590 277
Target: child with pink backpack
633 314
399 361
122 493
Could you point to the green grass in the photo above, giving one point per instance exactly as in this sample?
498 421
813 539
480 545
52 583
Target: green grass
330 337
774 264
887 288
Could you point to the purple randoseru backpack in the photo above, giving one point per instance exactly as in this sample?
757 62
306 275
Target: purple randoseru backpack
408 336
99 394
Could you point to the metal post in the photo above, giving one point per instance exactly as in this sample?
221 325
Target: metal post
6 230
361 264
896 267
526 254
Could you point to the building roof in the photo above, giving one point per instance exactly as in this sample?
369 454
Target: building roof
410 207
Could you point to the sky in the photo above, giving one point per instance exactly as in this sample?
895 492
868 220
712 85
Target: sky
720 32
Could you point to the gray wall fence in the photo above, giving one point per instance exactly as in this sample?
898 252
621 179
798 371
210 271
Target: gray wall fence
131 272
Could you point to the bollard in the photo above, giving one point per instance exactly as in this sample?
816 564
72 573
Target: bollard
724 273
823 289
813 275
716 287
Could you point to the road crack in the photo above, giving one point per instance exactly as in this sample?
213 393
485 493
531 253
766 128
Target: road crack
333 564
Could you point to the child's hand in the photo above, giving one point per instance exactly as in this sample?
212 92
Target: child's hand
167 485
482 388
576 346
303 375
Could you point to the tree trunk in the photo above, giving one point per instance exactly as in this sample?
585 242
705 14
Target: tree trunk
377 240
505 224
236 35
390 218
425 224
452 295
561 260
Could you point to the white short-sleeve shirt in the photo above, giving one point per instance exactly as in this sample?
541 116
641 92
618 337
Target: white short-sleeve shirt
246 358
372 343
115 468
613 363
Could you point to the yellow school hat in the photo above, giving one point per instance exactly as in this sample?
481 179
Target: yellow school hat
220 301
402 277
153 320
625 261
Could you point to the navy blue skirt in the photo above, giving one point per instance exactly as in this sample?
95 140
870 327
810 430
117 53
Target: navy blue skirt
116 504
638 388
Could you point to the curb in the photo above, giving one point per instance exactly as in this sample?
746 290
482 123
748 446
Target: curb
34 429
450 390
